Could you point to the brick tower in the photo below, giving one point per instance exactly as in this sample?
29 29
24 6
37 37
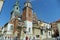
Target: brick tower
27 17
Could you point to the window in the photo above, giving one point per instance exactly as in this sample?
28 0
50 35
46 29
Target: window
24 29
49 33
42 32
37 36
11 27
29 29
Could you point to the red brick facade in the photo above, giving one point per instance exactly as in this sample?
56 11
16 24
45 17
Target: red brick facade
29 14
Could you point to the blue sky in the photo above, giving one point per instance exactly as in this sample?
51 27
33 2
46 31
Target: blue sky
46 10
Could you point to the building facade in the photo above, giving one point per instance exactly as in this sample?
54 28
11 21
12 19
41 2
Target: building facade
26 26
55 28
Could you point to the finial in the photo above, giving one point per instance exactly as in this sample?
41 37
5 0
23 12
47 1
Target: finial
17 2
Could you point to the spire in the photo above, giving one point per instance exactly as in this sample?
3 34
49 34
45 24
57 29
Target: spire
16 10
16 6
17 3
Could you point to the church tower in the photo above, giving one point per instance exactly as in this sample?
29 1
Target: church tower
16 10
27 17
13 24
15 15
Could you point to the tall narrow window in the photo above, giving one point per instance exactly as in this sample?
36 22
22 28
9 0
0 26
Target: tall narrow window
29 29
42 32
49 33
11 27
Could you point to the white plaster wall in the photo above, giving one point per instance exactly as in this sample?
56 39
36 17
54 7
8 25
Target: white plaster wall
28 24
2 30
49 36
52 32
13 16
47 25
44 35
9 31
9 27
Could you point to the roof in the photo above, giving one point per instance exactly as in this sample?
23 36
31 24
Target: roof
58 21
6 24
